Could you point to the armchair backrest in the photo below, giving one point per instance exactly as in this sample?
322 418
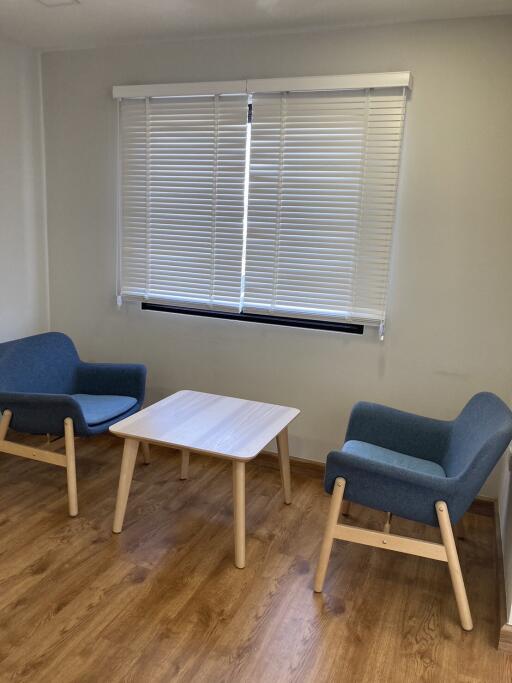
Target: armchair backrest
479 437
42 364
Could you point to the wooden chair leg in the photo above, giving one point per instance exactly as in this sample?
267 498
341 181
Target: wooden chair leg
345 508
131 446
4 424
146 453
284 464
69 438
454 565
185 460
332 520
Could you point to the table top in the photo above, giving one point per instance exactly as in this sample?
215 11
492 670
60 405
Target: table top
219 425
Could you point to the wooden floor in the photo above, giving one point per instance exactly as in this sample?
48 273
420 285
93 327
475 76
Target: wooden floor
163 601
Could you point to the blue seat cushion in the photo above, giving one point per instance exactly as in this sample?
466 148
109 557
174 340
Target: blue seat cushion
384 479
97 409
369 451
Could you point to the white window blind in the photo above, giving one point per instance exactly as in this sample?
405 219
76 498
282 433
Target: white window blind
182 165
288 215
323 181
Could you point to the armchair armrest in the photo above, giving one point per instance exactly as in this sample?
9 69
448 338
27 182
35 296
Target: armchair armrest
42 413
111 378
421 437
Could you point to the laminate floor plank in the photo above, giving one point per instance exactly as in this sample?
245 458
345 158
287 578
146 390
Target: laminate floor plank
163 600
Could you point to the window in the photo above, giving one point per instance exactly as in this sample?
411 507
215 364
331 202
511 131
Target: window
275 201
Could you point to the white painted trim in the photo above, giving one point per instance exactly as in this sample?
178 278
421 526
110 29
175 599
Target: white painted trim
180 89
402 79
118 204
504 503
44 189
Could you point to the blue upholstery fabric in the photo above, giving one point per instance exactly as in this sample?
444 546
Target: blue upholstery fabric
464 450
43 364
98 409
40 375
393 458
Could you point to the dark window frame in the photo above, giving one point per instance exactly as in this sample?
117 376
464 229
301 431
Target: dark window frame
284 321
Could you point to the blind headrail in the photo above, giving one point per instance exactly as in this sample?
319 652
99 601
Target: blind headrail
402 79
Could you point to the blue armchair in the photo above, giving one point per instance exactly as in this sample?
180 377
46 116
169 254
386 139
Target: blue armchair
415 467
46 389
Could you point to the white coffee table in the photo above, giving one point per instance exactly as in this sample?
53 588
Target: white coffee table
221 426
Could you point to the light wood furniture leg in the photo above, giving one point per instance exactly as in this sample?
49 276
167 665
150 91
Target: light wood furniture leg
332 520
284 464
69 439
131 446
239 511
345 509
146 452
444 552
185 458
387 524
48 455
454 565
4 424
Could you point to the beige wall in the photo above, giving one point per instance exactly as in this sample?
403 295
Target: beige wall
23 264
449 314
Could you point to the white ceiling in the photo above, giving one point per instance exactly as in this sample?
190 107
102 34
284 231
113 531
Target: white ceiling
103 22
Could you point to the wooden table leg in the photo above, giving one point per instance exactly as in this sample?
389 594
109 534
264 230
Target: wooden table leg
131 446
239 511
284 464
185 457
